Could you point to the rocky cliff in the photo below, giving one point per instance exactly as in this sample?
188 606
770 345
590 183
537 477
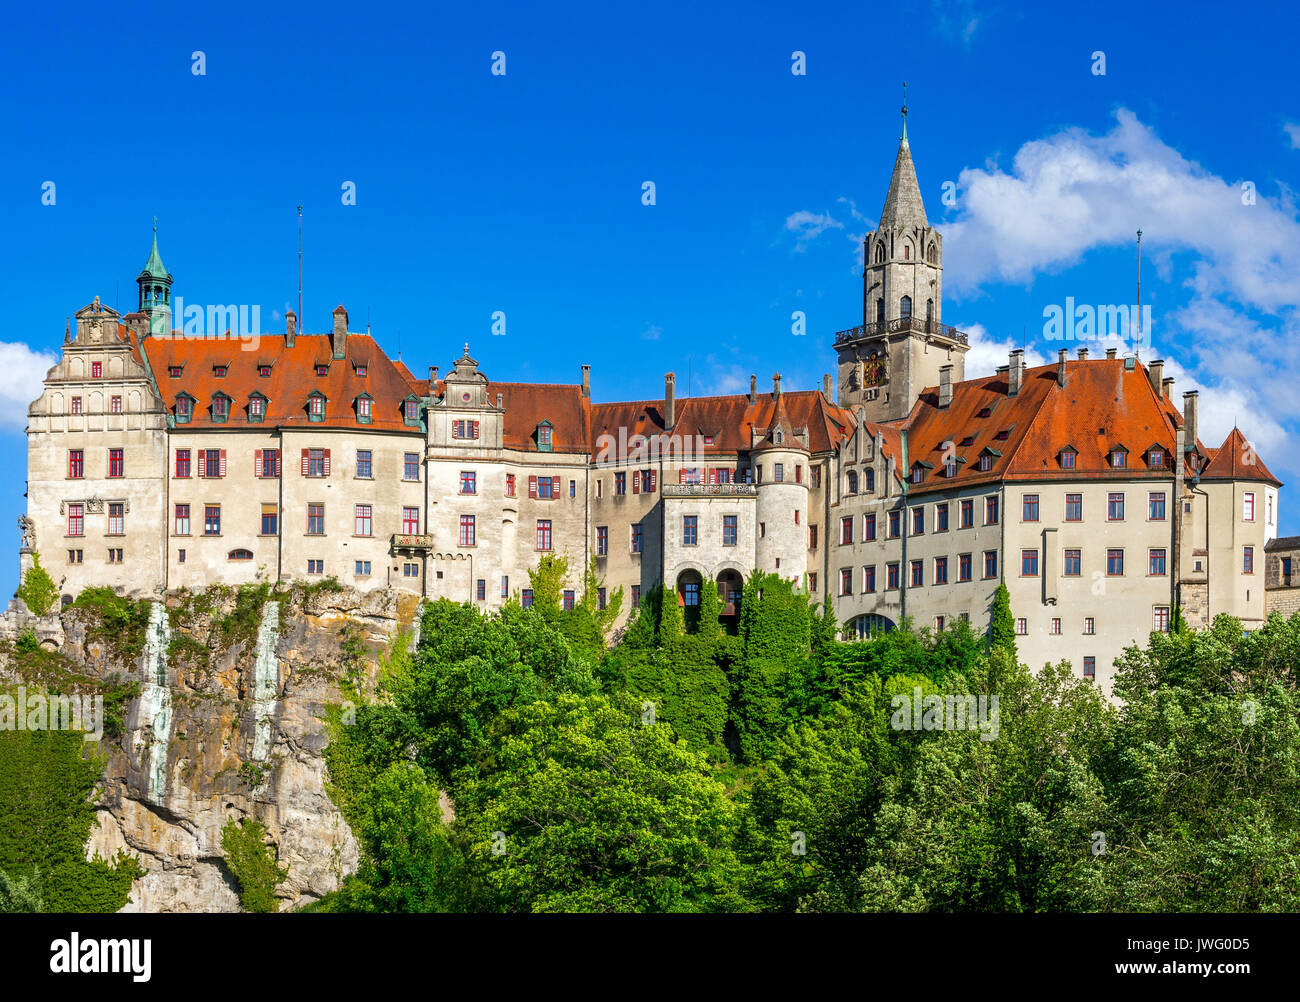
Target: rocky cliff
221 699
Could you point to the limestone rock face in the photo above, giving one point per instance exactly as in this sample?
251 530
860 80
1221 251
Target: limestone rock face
228 723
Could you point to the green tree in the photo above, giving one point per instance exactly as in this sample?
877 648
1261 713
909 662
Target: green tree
38 590
252 860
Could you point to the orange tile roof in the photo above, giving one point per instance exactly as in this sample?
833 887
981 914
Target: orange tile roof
1236 460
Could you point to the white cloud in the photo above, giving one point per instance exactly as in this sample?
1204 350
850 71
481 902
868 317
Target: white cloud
1292 131
986 354
652 332
22 373
807 226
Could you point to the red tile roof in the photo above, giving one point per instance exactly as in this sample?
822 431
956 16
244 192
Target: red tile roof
1235 459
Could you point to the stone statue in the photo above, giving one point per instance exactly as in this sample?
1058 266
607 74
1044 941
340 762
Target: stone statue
28 529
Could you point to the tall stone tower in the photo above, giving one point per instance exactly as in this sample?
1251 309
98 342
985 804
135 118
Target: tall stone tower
156 291
902 342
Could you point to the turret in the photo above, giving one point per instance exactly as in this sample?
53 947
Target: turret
155 283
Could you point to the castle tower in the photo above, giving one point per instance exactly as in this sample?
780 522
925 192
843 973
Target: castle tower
781 456
155 284
902 342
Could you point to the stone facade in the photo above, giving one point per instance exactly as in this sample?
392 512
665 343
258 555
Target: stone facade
1282 575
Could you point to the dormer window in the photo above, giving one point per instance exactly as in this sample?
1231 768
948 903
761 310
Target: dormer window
220 407
986 463
545 436
950 468
1002 435
322 370
1068 456
257 407
985 411
361 371
219 371
918 475
1155 459
779 437
365 408
1118 458
411 412
969 440
174 371
316 406
184 408
263 370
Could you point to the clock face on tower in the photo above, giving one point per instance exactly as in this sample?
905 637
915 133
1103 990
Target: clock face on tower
873 370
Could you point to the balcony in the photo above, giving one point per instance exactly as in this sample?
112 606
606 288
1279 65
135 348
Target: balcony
710 490
412 542
902 325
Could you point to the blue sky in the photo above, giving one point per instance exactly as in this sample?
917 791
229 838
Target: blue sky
521 193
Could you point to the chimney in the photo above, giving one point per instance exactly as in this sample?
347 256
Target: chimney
290 328
586 381
500 402
670 416
1083 354
1189 421
945 386
1015 372
433 375
1167 387
1156 370
753 390
826 388
1111 352
340 338
776 385
1060 367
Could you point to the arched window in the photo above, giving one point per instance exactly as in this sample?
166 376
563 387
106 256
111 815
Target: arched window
871 481
934 254
240 555
853 482
905 307
880 311
929 310
880 253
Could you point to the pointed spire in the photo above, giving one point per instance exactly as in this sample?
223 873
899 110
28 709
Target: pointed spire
903 204
154 265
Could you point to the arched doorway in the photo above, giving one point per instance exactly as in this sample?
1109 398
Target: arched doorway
866 627
730 585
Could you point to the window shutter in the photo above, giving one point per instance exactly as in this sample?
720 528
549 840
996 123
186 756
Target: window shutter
636 482
555 488
654 481
681 476
713 476
257 463
305 463
532 488
277 462
327 462
222 463
203 462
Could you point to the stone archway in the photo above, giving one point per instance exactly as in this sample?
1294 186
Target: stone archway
730 583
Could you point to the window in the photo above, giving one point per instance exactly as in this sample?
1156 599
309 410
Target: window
76 520
480 589
411 466
990 563
1056 626
602 540
636 595
316 407
116 463
410 521
1022 627
689 476
846 530
869 579
636 537
363 464
76 464
1248 560
812 537
182 520
466 530
96 370
180 556
846 581
895 520
691 593
363 525
1115 562
363 568
689 530
76 405
75 556
1115 507
411 415
963 567
986 463
510 485
1074 507
1067 459
544 534
940 570
314 463
1029 563
941 517
851 483
1089 626
210 464
950 468
601 598
1118 459
268 463
1155 458
544 488
918 474
967 513
365 409
184 408
220 407
1029 508
315 566
573 488
505 586
263 370
468 482
870 476
1089 667
115 405
174 371
270 520
1248 506
918 573
1073 566
778 473
620 484
461 429
212 520
1156 506
182 463
545 436
645 481
1156 562
411 570
729 531
117 519
114 556
322 370
891 577
869 528
918 521
315 520
991 510
815 477
1160 619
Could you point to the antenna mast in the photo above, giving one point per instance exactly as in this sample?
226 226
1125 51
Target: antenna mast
300 267
1138 352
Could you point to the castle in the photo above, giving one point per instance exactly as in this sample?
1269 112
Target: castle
158 461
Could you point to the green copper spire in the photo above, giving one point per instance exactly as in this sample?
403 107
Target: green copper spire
156 290
154 266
